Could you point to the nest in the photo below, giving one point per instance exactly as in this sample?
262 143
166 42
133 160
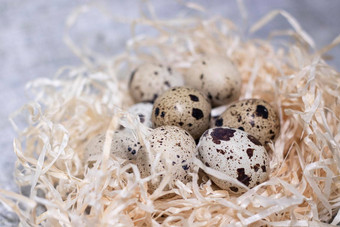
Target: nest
80 102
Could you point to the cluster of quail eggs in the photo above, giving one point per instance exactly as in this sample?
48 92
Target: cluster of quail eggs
177 109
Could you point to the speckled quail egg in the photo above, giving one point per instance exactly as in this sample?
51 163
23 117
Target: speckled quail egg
177 149
124 145
143 110
236 154
150 80
254 116
218 77
184 107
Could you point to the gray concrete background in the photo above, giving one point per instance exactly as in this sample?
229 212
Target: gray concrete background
31 46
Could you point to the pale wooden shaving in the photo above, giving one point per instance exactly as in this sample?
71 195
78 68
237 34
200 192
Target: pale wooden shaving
79 102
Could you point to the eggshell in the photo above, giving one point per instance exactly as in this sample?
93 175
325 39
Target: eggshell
177 149
254 116
150 80
143 110
184 107
236 154
124 145
217 76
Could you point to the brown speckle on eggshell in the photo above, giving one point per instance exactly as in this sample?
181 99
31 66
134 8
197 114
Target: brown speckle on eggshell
184 107
143 110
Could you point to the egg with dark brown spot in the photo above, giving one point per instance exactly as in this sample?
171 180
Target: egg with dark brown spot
254 116
177 148
217 76
123 145
143 110
184 107
236 154
150 80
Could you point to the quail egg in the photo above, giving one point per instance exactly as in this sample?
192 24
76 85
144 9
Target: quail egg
143 110
184 107
150 80
178 149
254 116
218 77
124 145
236 154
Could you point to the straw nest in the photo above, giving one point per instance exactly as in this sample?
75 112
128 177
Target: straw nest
80 102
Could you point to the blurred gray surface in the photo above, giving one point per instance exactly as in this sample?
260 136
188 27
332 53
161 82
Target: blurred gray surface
31 46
